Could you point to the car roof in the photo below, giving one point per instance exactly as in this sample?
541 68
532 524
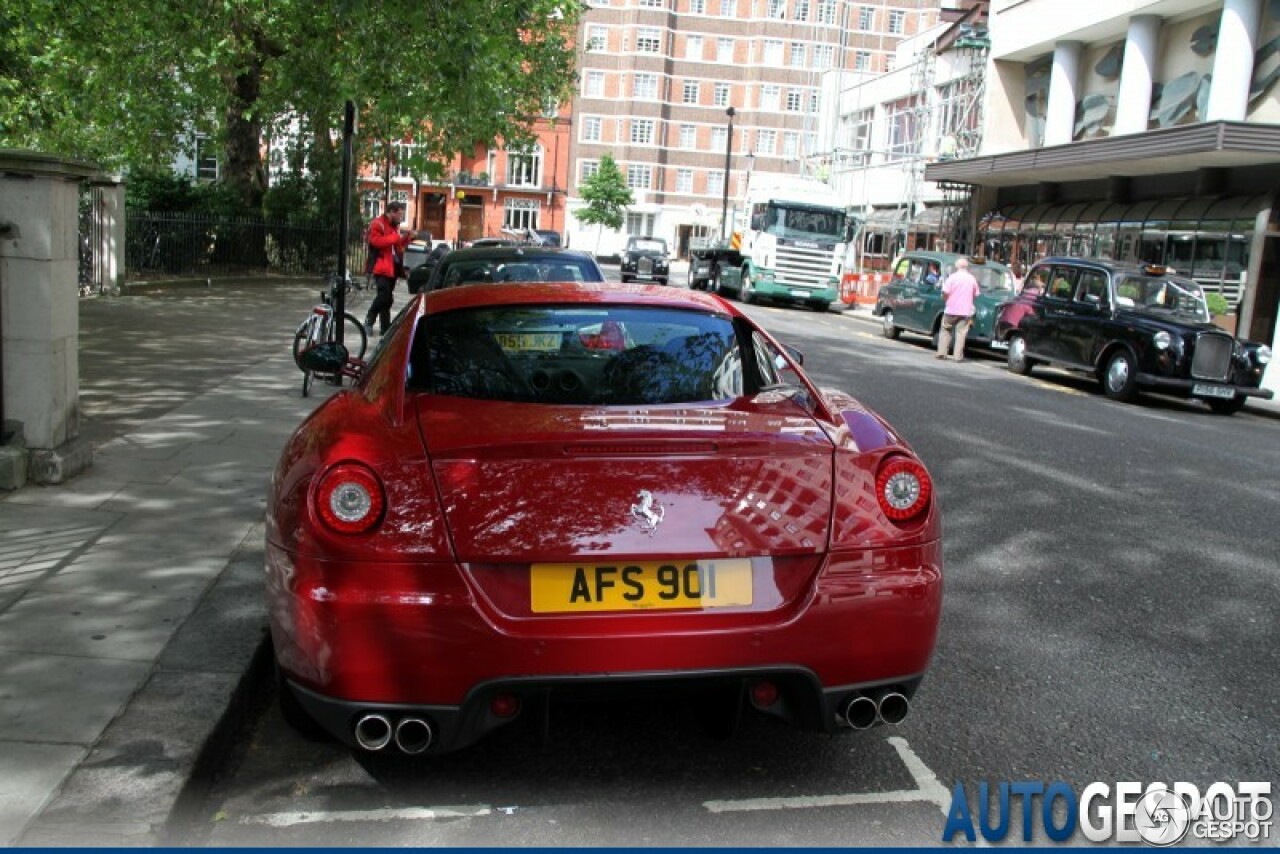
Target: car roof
950 258
569 293
1113 266
506 252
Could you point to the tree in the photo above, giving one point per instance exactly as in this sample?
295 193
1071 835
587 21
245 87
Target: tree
131 83
607 196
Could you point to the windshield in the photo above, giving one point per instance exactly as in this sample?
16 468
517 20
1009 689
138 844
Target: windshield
578 355
1161 295
804 222
647 244
470 271
991 278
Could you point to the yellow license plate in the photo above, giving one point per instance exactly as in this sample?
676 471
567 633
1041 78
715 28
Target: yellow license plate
639 585
521 342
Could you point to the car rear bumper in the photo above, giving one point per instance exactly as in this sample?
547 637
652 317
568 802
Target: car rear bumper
422 637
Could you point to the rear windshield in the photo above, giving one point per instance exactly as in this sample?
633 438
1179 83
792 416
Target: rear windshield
578 355
472 271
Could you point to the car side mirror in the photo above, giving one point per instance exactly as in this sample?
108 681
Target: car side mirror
329 357
795 355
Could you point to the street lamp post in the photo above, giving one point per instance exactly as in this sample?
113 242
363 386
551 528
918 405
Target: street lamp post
724 203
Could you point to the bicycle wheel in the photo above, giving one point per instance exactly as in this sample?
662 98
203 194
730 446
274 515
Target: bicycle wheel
353 336
300 339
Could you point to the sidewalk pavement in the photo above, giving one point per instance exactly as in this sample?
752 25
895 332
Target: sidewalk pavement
131 610
132 624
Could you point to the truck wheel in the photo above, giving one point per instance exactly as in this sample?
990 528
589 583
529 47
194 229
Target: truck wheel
715 286
746 292
820 307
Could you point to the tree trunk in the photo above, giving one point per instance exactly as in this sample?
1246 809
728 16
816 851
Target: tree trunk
245 170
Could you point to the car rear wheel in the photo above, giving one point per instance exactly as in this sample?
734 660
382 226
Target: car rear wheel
887 329
1120 378
1018 360
1228 407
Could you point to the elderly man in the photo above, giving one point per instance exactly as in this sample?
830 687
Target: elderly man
960 290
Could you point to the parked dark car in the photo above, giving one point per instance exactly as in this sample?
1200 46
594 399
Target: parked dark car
645 260
418 250
513 264
1133 327
421 274
913 301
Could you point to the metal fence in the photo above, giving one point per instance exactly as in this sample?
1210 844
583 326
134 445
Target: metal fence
93 276
195 244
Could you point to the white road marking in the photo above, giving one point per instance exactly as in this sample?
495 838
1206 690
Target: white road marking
928 790
289 819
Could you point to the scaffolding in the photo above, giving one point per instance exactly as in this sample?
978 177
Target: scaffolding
962 138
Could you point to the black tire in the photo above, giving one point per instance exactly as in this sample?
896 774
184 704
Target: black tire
294 714
887 329
820 307
716 287
626 280
662 281
353 332
1120 377
299 338
936 338
1018 361
1227 407
746 292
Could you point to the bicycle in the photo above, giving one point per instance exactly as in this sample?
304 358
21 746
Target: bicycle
319 328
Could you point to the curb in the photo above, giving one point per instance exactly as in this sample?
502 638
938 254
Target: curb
209 282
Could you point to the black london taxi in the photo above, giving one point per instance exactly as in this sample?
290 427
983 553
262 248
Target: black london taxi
1134 327
645 260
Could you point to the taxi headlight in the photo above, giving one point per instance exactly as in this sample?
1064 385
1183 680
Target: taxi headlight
1264 354
1162 340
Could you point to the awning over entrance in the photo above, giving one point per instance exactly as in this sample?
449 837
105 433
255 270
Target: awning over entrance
1168 150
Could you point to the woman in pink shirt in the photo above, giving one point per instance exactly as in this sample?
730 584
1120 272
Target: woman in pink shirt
960 289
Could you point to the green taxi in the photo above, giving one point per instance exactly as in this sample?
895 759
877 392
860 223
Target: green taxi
913 301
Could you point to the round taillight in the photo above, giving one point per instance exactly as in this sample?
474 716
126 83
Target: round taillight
903 488
350 499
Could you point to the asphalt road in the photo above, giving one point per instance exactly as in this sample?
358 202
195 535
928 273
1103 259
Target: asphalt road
1110 614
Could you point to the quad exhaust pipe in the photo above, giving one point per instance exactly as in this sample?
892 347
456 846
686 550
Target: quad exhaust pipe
863 712
375 732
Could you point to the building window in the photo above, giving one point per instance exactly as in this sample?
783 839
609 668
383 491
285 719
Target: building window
688 136
795 100
639 176
401 196
769 95
371 204
815 101
902 120
715 182
790 144
826 11
648 40
855 137
719 139
642 131
206 159
766 142
520 214
401 152
810 143
861 61
897 21
773 52
690 92
698 7
822 55
592 129
797 55
586 169
597 39
593 86
720 95
778 9
866 18
684 180
524 167
653 4
640 224
801 10
728 8
693 47
644 86
724 50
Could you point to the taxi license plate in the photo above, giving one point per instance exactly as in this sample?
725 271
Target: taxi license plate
1206 390
796 292
521 342
999 345
639 585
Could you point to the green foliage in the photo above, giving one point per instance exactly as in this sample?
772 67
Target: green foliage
1217 303
129 84
607 196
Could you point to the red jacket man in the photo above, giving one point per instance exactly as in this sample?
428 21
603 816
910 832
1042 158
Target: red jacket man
386 240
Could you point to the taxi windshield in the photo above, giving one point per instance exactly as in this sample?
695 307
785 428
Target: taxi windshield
1161 295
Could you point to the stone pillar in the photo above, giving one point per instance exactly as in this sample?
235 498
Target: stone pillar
1233 62
39 299
1133 104
1060 123
112 219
